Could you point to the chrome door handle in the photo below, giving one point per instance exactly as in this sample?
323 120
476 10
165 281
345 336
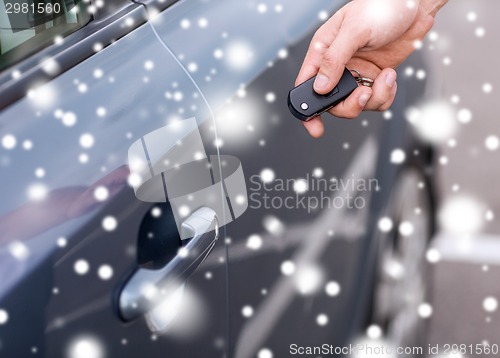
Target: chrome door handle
147 288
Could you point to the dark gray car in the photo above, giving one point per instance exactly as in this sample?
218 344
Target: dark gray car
312 260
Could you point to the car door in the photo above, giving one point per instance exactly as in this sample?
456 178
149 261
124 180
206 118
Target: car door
76 232
288 261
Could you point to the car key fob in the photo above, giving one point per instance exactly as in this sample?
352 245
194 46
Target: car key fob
305 103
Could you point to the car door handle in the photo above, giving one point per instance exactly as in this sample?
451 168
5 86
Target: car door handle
147 288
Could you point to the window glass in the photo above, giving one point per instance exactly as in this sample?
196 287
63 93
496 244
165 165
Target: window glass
28 25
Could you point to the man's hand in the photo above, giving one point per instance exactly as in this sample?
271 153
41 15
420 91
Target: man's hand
372 37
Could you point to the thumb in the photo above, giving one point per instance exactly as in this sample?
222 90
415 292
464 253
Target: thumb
347 42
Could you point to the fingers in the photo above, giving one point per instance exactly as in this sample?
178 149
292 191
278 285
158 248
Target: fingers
377 98
353 105
383 87
350 108
315 127
389 102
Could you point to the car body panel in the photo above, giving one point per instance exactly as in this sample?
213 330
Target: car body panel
123 104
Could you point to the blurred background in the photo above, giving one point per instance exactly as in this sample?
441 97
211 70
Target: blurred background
462 53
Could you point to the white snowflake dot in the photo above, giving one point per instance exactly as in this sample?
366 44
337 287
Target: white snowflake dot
287 268
300 186
464 115
270 97
471 16
9 141
424 310
69 119
19 250
86 347
203 22
98 73
184 211
480 32
420 74
265 353
83 158
492 142
62 242
267 175
398 156
82 88
101 111
185 24
109 223
101 193
323 15
409 71
283 53
385 224
262 8
322 319
27 145
87 140
39 172
254 242
156 212
240 199
149 65
490 304
332 288
16 74
218 53
81 266
374 332
318 172
192 67
247 311
105 272
406 228
433 255
37 192
487 88
4 316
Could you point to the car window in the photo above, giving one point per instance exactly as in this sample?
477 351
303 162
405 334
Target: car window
26 26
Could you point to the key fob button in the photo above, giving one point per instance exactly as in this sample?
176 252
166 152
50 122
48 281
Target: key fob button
332 92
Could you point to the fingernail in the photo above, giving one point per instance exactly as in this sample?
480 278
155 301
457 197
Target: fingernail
320 83
390 79
363 99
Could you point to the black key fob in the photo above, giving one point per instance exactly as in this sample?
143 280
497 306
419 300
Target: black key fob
304 103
